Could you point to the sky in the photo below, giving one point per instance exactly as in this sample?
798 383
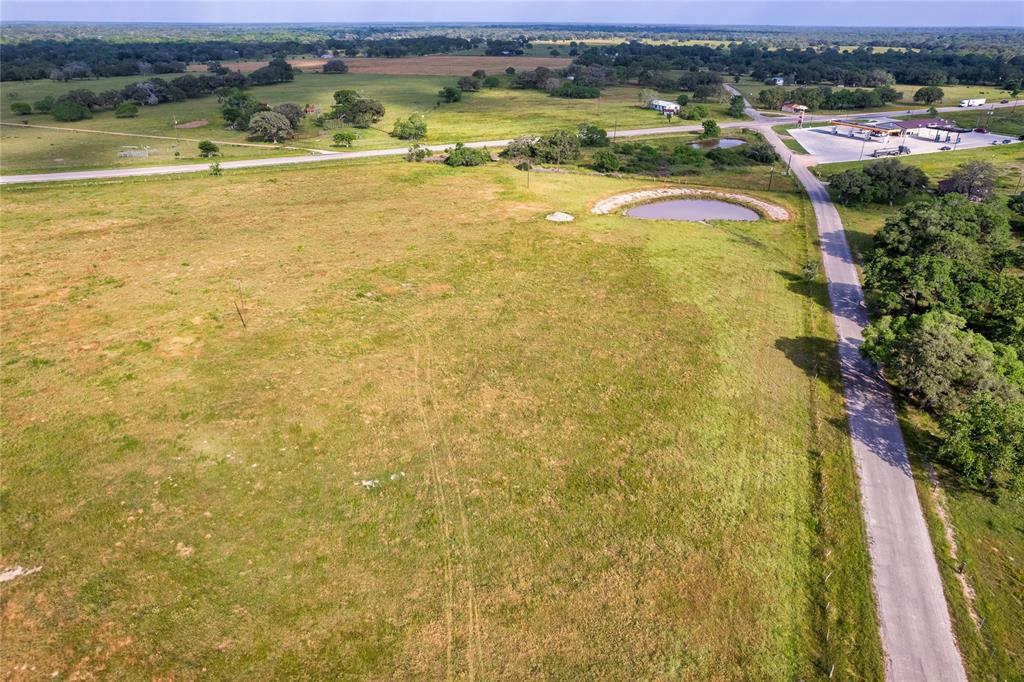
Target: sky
895 13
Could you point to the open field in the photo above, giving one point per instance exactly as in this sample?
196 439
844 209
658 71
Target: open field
989 534
437 65
470 444
489 114
953 95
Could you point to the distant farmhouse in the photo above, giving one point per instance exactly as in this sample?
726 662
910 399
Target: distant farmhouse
775 80
664 106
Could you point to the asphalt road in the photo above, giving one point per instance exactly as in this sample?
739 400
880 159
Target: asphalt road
914 620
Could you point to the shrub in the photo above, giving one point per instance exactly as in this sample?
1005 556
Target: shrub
468 84
416 153
45 105
335 66
606 161
761 152
491 82
413 128
126 110
593 136
449 94
344 138
21 108
66 110
571 90
208 148
467 156
711 128
480 74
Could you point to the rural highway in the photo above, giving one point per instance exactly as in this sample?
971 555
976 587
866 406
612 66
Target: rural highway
760 121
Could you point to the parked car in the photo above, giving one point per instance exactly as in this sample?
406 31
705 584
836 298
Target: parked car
1006 142
945 149
981 130
1004 101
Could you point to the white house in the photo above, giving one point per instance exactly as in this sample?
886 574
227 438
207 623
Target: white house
775 80
664 106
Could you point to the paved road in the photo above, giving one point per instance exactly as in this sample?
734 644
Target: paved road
759 120
914 621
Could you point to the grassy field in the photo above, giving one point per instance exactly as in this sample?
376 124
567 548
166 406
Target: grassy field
989 533
450 439
953 95
490 114
433 65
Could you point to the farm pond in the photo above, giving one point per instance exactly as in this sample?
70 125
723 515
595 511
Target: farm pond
694 210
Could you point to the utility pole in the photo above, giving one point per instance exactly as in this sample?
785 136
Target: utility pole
772 175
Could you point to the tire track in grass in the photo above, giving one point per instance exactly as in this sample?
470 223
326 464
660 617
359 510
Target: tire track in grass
474 650
441 502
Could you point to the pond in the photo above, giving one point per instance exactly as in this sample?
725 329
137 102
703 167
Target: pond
721 143
694 210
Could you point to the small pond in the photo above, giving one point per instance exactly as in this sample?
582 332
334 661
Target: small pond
694 210
721 143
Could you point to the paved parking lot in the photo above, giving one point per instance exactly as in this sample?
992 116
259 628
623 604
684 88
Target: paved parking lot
826 147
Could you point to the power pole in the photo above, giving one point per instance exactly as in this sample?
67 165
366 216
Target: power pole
770 177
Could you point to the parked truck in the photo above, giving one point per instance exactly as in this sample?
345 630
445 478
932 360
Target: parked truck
972 102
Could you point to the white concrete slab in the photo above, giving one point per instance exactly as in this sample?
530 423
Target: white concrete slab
826 147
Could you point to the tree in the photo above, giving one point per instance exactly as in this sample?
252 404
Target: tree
21 108
277 71
711 128
344 138
929 94
335 66
237 107
606 161
707 93
592 136
270 126
510 71
940 364
343 99
771 98
467 156
974 179
208 148
363 113
558 147
293 112
413 128
571 90
986 443
736 106
480 74
45 105
947 254
850 186
892 180
449 94
683 100
468 84
126 110
491 82
68 110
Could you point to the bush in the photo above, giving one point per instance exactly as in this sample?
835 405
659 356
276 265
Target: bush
480 74
468 84
416 153
467 156
711 129
510 71
571 90
208 148
344 138
21 108
335 66
491 82
126 110
606 161
683 100
592 136
761 152
45 105
66 110
449 94
413 128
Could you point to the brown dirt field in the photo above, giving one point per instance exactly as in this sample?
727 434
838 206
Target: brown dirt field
437 65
